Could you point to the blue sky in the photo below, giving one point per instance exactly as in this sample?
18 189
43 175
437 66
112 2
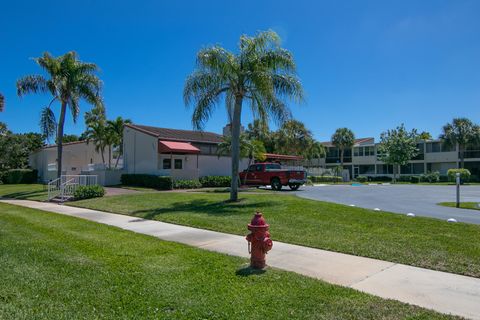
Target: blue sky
366 65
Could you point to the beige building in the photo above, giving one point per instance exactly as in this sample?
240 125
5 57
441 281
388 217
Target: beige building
363 160
77 156
181 154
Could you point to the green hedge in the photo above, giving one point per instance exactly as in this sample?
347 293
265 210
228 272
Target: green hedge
14 176
147 180
464 174
88 192
361 179
186 184
380 179
215 181
415 179
316 179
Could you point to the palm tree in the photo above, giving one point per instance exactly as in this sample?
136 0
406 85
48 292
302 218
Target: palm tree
2 102
97 131
116 128
343 138
70 80
261 74
461 131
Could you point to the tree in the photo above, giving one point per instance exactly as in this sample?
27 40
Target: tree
261 74
70 138
293 138
2 102
397 147
16 148
96 123
116 128
70 80
342 139
463 132
425 135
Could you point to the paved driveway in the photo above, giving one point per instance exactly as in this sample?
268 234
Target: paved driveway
419 199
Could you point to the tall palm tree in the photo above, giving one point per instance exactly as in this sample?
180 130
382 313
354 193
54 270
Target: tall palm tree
343 139
261 74
69 81
461 131
2 102
116 128
97 131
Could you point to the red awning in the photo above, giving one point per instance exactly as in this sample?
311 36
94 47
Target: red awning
282 156
176 147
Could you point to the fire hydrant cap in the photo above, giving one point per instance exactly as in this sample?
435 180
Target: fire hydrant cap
258 221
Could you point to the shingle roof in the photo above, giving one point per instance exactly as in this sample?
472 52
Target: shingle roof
179 135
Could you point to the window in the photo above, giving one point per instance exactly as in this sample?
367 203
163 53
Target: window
369 151
178 164
358 152
418 168
434 147
167 164
258 168
272 166
366 169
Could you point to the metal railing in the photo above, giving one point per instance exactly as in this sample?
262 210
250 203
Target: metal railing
64 187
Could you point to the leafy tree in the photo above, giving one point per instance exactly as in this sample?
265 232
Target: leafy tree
16 148
463 132
261 74
397 147
425 135
70 138
2 102
343 138
116 129
69 81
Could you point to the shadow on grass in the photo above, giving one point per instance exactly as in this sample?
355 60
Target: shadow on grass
249 271
222 208
26 195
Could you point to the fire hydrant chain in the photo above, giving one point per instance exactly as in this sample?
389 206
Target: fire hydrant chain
259 242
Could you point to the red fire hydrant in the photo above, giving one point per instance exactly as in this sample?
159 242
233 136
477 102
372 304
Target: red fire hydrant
259 242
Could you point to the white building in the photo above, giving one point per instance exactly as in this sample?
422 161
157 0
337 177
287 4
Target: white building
181 154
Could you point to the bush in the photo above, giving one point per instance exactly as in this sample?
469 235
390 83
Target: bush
186 184
404 178
14 176
215 181
443 178
147 180
464 175
430 177
88 192
326 178
380 178
415 179
362 179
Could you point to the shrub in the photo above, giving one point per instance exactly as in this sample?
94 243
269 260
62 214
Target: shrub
474 178
362 179
215 181
186 184
464 174
415 179
443 178
88 192
379 178
14 176
147 180
431 177
326 178
404 178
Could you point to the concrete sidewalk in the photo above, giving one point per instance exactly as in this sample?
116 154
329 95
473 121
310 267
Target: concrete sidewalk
440 291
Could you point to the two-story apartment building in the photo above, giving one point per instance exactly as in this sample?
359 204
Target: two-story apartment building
433 155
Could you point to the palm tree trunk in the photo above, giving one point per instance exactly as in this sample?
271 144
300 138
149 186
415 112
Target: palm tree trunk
237 112
61 122
102 150
120 153
110 156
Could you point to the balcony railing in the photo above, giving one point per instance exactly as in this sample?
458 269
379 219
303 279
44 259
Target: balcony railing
470 154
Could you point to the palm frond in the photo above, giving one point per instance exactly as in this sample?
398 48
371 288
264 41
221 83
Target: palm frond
2 102
32 84
48 123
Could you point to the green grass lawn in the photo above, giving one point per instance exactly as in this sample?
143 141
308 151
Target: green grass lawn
418 241
36 192
463 205
59 267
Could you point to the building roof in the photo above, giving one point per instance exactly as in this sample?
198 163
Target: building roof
178 135
358 142
176 147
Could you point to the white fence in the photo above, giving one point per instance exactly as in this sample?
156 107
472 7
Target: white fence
64 187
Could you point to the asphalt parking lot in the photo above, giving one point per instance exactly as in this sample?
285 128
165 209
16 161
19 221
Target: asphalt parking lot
418 199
